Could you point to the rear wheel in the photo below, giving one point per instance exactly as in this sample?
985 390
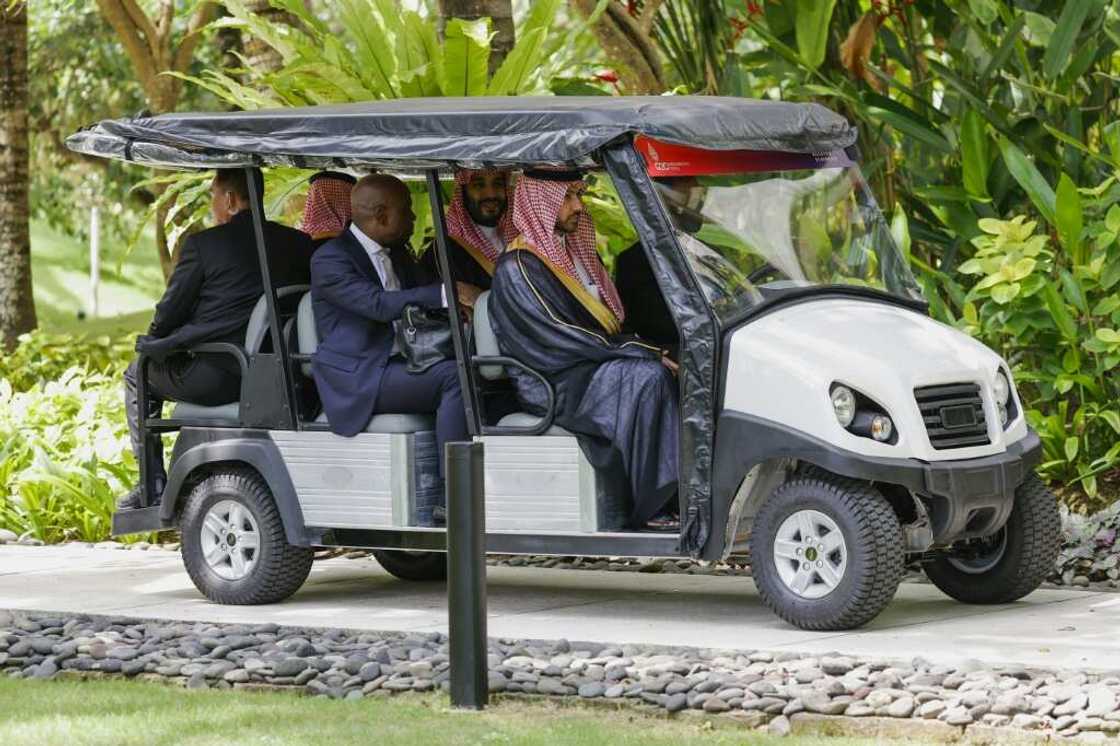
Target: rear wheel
418 566
826 552
234 546
1010 563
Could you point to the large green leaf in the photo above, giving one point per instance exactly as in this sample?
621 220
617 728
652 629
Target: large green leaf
419 56
1059 311
517 69
374 56
1029 177
466 55
812 19
913 125
519 65
1069 218
974 155
1064 36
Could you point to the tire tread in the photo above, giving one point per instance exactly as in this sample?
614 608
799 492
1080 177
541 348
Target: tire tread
878 531
279 574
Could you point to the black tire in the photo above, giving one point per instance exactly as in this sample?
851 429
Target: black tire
872 540
1029 541
279 568
417 566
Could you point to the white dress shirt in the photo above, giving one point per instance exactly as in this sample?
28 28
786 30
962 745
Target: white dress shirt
379 257
490 232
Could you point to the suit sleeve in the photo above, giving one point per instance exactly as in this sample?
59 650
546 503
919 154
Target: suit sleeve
334 277
177 303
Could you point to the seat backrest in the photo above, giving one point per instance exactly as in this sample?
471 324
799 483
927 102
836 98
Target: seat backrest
257 330
306 333
485 342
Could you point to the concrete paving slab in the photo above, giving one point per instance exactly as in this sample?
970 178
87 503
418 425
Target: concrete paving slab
1051 628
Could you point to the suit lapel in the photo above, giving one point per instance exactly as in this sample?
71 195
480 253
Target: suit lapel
360 256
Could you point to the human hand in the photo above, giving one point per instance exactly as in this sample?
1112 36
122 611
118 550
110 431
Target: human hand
467 293
667 361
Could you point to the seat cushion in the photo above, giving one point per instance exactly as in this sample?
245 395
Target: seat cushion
524 419
395 423
225 414
484 340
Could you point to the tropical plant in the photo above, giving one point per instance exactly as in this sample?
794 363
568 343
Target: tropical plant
64 448
1055 316
381 53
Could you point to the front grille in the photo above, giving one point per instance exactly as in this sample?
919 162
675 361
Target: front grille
953 414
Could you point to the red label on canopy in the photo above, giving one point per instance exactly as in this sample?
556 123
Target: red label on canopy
670 159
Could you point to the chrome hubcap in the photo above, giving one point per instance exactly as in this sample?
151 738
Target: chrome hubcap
810 554
230 540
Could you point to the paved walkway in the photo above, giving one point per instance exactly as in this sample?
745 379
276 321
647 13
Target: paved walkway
1051 628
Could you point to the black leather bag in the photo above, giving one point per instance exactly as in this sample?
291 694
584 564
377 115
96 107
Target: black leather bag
424 337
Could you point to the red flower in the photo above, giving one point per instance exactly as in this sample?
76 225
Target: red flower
607 76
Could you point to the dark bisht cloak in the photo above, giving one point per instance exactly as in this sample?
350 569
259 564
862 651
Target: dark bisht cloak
468 264
611 389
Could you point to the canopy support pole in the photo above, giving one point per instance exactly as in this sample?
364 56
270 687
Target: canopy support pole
256 206
462 352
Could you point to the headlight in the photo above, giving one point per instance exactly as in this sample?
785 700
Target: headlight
844 404
1001 387
881 428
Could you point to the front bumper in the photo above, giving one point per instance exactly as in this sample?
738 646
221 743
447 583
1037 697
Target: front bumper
964 498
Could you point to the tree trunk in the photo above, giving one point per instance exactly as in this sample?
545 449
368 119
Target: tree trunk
626 40
17 305
500 13
258 54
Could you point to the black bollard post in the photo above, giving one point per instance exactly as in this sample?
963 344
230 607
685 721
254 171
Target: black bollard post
466 575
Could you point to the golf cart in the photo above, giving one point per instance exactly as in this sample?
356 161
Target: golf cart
828 425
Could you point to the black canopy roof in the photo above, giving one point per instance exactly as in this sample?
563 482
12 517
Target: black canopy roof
424 132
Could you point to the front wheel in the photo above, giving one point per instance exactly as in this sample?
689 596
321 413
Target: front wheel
1009 564
826 552
234 547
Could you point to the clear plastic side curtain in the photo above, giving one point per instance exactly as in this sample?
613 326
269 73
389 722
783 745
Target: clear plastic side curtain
694 320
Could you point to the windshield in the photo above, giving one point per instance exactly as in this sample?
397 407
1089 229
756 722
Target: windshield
752 237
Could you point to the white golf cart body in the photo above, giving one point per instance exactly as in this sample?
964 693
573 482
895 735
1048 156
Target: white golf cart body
757 384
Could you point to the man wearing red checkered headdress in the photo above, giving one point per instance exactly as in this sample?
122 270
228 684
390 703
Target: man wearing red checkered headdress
479 223
326 211
554 307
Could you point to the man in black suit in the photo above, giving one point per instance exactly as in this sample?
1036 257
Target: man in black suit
360 285
209 298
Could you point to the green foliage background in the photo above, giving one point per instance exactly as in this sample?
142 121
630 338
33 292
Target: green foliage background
990 131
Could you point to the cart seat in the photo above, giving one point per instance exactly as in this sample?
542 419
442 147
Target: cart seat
524 419
226 414
255 334
395 423
487 344
308 340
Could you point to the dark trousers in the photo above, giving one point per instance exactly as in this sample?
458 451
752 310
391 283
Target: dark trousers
197 380
435 390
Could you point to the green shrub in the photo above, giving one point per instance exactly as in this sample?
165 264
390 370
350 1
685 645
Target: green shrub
1054 315
64 449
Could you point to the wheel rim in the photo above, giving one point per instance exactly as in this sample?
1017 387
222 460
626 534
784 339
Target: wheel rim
810 554
981 556
230 540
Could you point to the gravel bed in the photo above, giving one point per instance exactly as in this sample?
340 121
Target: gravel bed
759 688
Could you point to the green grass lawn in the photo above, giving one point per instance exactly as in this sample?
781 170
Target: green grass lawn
119 713
60 278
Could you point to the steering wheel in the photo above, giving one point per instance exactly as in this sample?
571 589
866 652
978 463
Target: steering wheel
763 272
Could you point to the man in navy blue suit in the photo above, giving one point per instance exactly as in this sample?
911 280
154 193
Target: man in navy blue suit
360 285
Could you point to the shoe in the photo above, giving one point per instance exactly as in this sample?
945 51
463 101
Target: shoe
439 515
131 501
664 522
